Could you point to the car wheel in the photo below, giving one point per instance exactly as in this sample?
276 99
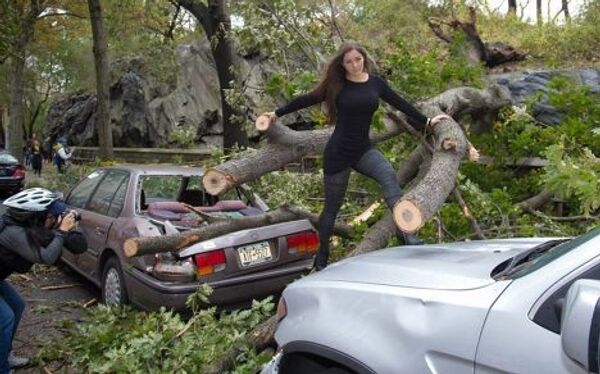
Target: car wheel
114 291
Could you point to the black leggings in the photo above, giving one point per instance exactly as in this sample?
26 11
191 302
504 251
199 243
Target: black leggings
372 164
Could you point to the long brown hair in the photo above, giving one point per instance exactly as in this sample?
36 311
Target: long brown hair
335 77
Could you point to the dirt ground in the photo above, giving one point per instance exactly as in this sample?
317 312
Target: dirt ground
52 294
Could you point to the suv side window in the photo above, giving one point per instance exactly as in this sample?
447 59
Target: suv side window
548 315
104 194
80 195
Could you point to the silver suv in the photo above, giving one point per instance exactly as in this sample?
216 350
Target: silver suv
495 306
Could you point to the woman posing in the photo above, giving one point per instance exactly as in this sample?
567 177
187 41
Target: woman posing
351 94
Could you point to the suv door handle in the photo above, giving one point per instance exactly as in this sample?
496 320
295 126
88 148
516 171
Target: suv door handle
99 231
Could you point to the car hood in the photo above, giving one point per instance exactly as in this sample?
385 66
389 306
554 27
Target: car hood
454 266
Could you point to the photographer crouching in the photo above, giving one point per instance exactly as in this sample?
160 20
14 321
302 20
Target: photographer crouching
35 228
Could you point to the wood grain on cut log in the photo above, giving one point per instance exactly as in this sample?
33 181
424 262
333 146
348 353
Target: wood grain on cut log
139 246
379 234
421 202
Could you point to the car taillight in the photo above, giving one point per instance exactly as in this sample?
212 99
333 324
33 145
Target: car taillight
19 172
281 309
169 268
304 242
210 262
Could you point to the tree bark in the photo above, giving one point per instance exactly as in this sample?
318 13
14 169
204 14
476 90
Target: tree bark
538 12
565 9
103 126
419 204
216 22
475 50
536 202
512 7
24 34
14 135
139 246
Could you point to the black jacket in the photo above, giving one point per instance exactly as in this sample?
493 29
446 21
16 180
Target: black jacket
18 254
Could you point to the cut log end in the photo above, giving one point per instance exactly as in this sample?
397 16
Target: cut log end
130 247
215 182
262 123
449 144
408 216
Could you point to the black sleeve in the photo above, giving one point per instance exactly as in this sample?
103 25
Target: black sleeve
416 118
75 242
300 102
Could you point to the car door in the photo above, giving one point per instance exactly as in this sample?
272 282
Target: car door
101 211
522 331
77 199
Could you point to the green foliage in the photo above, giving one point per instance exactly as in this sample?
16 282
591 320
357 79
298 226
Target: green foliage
421 75
574 176
122 340
183 138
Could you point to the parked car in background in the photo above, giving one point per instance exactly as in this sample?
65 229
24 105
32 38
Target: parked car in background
12 173
117 203
493 306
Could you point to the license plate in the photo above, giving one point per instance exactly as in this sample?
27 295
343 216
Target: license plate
254 254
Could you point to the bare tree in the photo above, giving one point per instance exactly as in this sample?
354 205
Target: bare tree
565 10
512 7
105 142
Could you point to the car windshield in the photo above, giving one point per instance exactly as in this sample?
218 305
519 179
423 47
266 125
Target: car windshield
545 254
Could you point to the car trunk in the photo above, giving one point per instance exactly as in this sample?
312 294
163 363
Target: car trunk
236 253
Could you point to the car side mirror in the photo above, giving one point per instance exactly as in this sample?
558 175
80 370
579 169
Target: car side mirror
580 327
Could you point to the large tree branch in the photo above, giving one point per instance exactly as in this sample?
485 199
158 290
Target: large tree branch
138 246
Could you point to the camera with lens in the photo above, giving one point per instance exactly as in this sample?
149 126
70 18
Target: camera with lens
76 215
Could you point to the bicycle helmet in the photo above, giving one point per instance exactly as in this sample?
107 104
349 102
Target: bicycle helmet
32 200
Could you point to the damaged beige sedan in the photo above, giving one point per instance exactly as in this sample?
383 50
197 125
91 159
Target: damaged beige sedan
118 203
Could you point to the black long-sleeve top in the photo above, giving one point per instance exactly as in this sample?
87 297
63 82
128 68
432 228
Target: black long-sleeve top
356 104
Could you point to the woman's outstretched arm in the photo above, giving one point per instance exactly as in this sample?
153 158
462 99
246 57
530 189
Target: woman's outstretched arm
299 102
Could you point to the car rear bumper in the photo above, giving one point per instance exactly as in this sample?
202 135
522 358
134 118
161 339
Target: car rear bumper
11 183
149 293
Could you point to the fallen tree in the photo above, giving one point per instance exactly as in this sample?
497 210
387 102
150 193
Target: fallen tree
476 51
437 157
139 246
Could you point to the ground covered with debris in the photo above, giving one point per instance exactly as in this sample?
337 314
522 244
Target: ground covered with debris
53 294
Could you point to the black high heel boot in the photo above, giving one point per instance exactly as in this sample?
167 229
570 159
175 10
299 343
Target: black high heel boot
320 261
408 239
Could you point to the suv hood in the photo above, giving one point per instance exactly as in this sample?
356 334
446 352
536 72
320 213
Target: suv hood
453 266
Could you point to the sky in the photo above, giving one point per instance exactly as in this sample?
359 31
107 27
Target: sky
529 7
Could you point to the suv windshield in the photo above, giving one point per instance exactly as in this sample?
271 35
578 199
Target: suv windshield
545 255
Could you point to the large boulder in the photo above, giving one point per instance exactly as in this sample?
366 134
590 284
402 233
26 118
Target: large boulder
525 85
147 112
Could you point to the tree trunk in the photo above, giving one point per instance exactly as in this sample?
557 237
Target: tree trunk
538 12
475 50
419 204
14 135
512 7
565 9
139 246
216 22
103 126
